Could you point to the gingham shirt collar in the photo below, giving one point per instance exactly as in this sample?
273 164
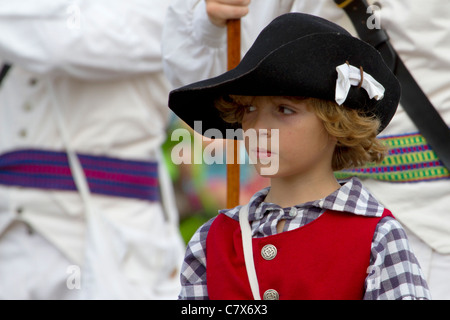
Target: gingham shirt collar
352 197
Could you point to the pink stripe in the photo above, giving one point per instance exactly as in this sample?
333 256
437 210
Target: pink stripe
118 164
65 172
397 168
121 177
100 161
41 169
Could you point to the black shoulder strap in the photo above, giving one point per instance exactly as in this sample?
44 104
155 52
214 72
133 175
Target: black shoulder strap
4 71
413 99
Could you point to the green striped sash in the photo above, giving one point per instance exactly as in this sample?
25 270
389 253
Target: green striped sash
410 159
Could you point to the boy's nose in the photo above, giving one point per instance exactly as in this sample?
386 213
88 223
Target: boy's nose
262 123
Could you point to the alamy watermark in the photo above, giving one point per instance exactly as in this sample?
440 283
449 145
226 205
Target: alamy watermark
374 21
73 281
262 146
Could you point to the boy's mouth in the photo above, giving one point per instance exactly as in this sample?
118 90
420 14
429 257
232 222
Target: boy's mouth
261 153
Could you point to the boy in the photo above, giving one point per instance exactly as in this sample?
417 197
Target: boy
326 95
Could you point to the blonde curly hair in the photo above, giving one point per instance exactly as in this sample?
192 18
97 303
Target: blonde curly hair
356 133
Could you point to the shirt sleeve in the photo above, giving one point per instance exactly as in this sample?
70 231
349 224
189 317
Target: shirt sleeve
394 272
194 49
86 39
193 269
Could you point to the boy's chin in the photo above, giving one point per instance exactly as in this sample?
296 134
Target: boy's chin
266 171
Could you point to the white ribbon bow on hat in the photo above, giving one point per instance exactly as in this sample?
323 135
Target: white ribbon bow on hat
351 76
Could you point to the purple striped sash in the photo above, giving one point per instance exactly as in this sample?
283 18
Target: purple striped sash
107 176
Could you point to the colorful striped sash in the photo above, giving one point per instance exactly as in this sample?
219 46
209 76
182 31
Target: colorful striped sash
410 159
106 176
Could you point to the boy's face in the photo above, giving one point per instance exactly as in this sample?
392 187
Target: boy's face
304 146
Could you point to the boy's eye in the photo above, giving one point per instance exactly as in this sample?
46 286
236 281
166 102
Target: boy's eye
285 110
250 109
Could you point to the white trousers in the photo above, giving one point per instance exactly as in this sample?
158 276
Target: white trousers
435 266
32 268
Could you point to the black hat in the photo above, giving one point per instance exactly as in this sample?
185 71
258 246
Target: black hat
295 55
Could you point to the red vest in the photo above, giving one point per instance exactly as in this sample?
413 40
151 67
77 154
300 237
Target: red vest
326 259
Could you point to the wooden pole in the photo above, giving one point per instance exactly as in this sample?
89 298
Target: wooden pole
234 57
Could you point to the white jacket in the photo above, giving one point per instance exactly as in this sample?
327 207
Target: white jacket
194 49
98 65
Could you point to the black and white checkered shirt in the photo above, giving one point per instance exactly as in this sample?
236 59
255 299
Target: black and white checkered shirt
394 272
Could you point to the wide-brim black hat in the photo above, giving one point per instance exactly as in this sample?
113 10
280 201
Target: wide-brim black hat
295 55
